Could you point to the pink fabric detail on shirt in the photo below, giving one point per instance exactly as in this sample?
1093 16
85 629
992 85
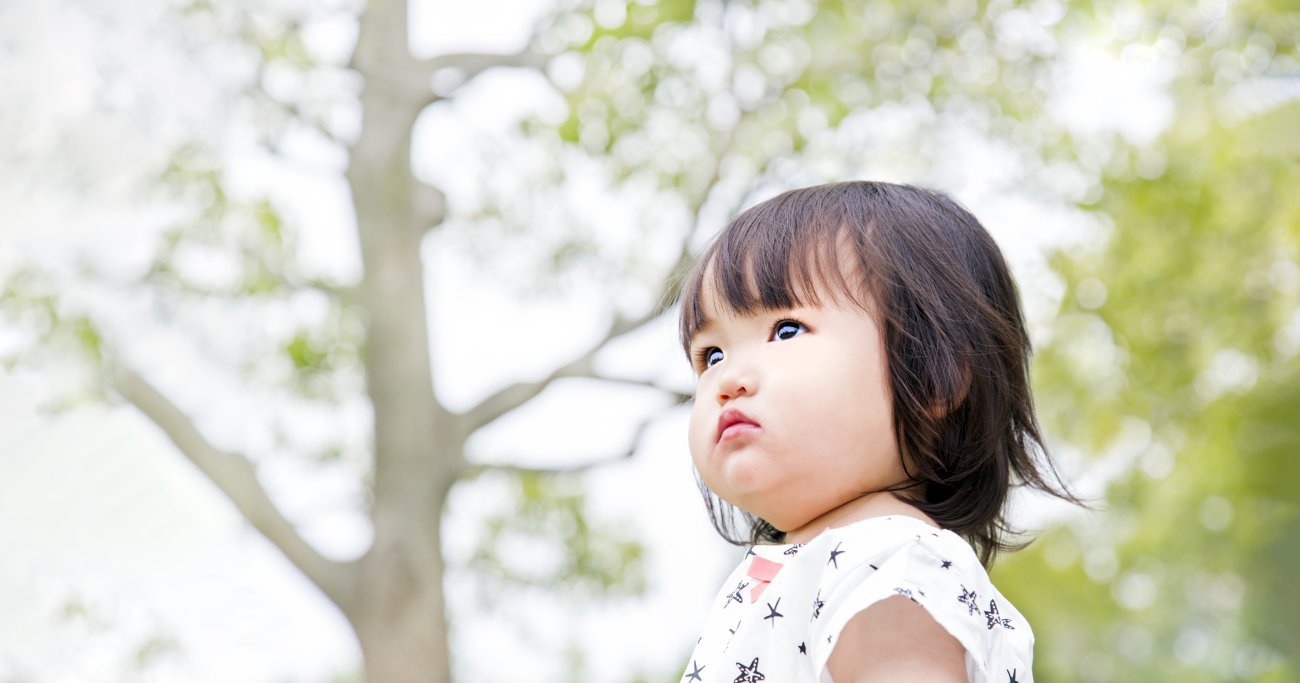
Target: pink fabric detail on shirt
762 571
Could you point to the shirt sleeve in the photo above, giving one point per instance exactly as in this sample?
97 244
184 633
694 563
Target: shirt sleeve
938 576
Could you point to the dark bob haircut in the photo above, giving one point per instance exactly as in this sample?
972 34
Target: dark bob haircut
955 341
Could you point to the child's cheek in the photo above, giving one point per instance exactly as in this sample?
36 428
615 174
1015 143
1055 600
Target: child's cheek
696 436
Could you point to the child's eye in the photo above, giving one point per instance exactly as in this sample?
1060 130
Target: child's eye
787 329
707 357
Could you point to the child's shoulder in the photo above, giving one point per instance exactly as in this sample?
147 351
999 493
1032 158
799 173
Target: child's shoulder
848 569
784 607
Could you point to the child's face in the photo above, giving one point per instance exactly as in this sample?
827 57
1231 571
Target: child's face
814 382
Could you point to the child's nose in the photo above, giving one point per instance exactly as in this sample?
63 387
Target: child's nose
737 380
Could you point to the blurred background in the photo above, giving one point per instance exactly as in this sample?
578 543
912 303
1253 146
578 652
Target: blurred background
322 319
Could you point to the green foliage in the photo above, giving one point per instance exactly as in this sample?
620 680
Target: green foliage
1176 353
154 649
251 233
548 540
52 333
640 19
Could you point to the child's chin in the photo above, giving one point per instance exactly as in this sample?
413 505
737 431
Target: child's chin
762 507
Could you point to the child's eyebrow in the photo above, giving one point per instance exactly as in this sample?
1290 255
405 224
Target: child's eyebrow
703 327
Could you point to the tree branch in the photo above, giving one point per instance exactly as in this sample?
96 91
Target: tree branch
516 395
519 393
678 396
671 287
471 64
236 477
467 65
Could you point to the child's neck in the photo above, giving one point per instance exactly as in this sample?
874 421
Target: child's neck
876 504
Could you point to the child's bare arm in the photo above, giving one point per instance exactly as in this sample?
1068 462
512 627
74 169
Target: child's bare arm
896 640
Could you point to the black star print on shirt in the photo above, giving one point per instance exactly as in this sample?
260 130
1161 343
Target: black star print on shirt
996 619
749 674
803 648
818 605
946 564
695 675
772 613
969 598
907 593
835 555
733 635
735 595
750 551
1011 676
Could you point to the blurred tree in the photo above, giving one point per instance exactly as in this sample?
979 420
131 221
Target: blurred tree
1175 357
241 261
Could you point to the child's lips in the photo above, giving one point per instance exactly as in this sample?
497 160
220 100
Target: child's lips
736 431
733 424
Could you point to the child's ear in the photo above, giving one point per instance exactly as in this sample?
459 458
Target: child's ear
952 383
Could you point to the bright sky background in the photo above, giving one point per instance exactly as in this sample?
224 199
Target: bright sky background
96 508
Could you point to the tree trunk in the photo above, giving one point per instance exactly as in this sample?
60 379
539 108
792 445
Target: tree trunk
396 601
399 618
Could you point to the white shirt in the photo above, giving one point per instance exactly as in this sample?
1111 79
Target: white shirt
778 615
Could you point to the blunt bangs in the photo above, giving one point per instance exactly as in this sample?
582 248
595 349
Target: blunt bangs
787 252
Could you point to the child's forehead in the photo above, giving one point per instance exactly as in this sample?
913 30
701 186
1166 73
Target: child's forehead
813 289
757 266
807 280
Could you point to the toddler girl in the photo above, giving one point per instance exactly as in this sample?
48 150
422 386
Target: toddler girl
863 408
